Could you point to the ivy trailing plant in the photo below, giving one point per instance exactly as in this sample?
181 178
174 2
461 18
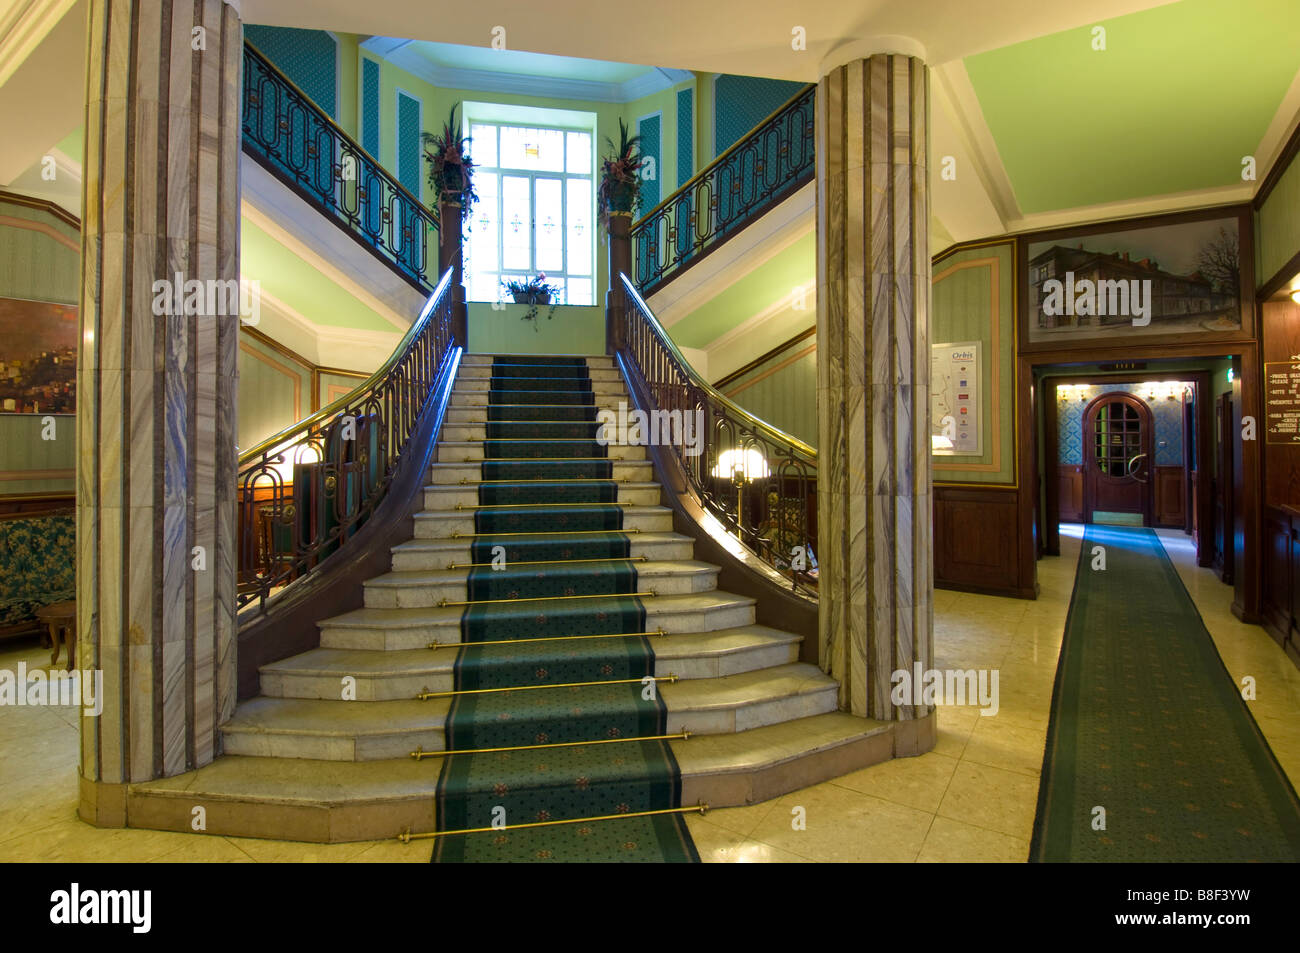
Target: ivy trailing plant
451 170
620 178
534 292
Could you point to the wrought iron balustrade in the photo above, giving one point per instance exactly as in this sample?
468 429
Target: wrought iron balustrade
303 492
302 146
759 483
765 167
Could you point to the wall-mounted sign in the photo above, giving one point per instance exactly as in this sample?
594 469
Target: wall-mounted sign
1282 401
954 399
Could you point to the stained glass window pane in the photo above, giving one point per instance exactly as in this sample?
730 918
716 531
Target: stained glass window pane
538 150
516 222
549 220
579 291
579 210
482 240
579 145
483 145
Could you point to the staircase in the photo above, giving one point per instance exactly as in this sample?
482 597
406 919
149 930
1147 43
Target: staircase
302 761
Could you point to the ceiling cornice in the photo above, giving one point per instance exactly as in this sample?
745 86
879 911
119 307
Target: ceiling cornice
403 54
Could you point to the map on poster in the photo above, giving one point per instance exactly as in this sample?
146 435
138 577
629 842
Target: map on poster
954 398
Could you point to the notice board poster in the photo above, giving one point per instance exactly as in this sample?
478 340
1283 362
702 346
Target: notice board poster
1282 401
955 425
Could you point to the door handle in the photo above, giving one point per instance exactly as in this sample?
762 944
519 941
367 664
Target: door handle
1129 468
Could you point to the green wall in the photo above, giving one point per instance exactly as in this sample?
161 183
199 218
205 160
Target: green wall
22 448
782 391
962 310
1277 225
267 381
572 330
34 265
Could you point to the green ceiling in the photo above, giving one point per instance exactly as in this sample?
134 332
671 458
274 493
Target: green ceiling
1180 94
285 276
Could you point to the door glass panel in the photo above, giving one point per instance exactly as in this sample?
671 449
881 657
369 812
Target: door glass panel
1118 437
549 222
579 147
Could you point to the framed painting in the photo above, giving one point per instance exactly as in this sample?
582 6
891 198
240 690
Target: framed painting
1173 279
38 357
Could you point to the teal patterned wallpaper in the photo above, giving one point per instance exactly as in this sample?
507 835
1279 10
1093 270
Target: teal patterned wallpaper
685 135
742 102
370 106
408 142
308 57
1168 416
649 128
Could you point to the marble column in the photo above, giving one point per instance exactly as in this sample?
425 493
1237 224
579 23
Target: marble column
873 373
156 454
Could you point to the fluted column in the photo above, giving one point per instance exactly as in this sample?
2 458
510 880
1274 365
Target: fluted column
873 372
156 390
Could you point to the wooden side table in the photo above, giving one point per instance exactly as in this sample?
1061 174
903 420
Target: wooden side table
62 621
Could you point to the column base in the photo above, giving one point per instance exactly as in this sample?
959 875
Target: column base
102 804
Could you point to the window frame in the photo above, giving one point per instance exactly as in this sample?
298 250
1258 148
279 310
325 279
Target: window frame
532 175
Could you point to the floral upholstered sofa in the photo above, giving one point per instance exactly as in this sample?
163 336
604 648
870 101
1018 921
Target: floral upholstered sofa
37 567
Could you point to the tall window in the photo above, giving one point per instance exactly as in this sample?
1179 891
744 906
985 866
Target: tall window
535 212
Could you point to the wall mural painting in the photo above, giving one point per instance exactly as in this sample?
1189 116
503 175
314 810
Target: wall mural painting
38 357
1179 280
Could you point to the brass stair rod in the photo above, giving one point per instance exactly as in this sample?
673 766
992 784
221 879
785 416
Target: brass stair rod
426 695
419 754
546 638
701 808
537 480
593 595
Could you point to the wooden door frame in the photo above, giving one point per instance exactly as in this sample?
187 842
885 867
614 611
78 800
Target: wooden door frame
1148 449
1052 449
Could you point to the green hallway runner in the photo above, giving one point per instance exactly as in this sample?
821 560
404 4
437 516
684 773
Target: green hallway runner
1148 724
559 526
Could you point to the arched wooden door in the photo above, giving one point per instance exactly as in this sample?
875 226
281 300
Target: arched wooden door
1117 442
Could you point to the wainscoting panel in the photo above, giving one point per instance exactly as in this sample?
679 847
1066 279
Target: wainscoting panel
1170 497
1070 478
975 534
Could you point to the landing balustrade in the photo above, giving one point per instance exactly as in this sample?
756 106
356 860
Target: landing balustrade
772 162
302 146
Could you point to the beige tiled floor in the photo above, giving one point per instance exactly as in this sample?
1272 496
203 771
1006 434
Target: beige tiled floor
972 798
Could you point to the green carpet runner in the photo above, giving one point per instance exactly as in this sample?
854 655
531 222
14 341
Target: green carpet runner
1147 724
559 526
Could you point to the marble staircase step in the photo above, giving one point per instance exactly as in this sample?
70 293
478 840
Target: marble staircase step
412 589
439 524
450 496
320 801
396 629
384 676
450 451
460 471
337 730
430 554
483 372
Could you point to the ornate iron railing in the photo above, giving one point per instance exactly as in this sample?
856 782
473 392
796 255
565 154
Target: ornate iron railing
766 166
758 482
302 146
304 491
